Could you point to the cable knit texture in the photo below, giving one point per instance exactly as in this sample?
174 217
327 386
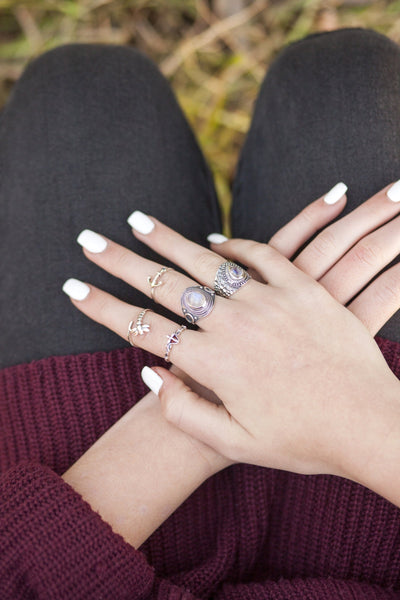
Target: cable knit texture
247 533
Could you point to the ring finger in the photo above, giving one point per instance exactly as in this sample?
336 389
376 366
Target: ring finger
117 315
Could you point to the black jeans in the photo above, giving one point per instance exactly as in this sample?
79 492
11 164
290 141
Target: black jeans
93 132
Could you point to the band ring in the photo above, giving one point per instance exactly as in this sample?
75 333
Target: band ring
138 328
197 302
229 279
173 339
155 281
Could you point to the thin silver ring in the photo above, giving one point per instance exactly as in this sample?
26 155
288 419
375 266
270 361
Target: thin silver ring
138 328
229 279
155 281
173 339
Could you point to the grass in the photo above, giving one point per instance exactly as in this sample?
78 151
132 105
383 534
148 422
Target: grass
214 52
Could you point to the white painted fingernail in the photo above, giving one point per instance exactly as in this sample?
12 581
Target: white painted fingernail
140 222
217 238
393 192
76 289
151 379
91 241
336 193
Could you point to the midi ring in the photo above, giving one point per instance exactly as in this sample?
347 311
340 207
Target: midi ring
229 278
172 340
155 281
139 328
197 302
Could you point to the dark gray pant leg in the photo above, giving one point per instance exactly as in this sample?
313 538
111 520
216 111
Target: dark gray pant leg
91 133
328 111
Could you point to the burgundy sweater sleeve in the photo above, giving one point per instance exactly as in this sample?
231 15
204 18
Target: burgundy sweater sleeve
53 545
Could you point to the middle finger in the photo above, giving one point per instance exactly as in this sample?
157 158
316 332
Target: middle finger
140 273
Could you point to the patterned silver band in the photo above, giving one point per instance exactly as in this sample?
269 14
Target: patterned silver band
197 302
139 328
172 340
229 278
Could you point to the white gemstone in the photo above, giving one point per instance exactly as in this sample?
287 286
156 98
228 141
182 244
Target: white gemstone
236 272
196 300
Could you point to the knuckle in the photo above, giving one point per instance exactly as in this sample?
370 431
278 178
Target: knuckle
103 310
366 254
309 215
122 260
206 263
171 286
324 243
388 290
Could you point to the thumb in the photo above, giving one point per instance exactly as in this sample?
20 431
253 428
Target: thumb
210 423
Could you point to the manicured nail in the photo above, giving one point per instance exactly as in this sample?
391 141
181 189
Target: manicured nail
140 222
151 379
217 238
393 192
336 193
91 241
76 289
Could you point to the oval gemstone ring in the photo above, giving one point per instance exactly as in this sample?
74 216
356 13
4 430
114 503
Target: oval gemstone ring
229 278
197 302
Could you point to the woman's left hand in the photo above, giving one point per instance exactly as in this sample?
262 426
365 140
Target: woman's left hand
300 377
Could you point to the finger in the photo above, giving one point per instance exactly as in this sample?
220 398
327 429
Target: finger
336 239
312 218
367 258
116 316
273 268
379 301
202 264
210 423
136 271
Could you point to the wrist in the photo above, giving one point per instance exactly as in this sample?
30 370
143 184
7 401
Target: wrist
372 455
140 471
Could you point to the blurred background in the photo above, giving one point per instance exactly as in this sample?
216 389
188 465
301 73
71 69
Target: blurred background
214 52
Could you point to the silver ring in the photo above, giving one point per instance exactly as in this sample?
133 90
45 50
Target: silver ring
155 281
197 302
229 278
139 328
172 340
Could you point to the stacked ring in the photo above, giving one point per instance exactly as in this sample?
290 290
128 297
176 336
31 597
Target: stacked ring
229 278
172 340
139 328
197 302
155 281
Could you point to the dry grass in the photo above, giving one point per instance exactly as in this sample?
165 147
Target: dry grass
214 52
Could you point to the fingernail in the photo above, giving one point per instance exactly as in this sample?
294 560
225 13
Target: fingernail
151 379
336 193
91 241
217 238
140 222
393 192
76 289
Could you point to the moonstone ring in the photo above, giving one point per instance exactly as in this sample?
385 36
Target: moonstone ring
229 278
197 302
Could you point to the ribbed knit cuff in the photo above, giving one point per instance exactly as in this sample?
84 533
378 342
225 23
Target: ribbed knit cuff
53 545
307 589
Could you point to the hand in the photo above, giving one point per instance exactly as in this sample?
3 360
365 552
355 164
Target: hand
291 327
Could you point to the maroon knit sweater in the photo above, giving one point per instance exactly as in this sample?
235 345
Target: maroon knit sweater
246 533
